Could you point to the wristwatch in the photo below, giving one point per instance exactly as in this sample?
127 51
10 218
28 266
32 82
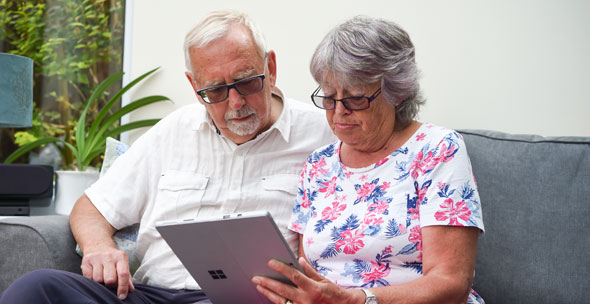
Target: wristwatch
370 298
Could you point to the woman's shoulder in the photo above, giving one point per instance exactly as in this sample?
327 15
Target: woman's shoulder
434 134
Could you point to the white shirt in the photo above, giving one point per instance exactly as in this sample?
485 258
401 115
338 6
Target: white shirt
182 168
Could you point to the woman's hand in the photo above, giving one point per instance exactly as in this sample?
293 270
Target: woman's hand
311 286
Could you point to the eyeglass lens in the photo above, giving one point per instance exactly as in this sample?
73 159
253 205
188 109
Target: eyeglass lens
328 103
245 87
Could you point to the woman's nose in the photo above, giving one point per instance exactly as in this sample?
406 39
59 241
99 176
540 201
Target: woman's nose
340 109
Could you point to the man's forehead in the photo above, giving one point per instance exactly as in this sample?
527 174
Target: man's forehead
208 79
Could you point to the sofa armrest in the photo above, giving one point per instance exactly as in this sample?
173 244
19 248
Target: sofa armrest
29 243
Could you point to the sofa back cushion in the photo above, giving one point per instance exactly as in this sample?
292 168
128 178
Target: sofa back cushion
535 195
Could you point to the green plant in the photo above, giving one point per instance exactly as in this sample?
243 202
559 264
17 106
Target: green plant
91 133
74 45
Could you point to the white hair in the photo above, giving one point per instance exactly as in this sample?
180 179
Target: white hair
216 25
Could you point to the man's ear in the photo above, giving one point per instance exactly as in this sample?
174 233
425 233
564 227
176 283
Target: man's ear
189 76
272 67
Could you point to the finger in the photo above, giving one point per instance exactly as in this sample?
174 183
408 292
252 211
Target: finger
109 274
282 268
131 286
124 279
97 271
310 270
273 297
86 269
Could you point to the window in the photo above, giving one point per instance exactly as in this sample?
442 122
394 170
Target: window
75 44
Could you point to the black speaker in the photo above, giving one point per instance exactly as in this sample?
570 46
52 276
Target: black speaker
24 186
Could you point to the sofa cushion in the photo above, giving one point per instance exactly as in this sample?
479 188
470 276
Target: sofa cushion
535 195
30 243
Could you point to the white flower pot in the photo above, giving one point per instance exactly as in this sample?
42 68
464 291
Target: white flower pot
70 185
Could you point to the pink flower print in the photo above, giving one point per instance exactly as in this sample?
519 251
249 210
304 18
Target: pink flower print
332 213
453 211
421 194
380 207
420 137
341 199
414 212
365 190
381 162
309 241
441 185
416 238
385 186
387 249
329 187
305 203
377 272
419 164
371 219
446 153
351 243
296 227
347 173
423 163
402 229
318 168
364 177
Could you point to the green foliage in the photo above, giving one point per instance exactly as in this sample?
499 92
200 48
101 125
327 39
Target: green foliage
90 137
40 128
74 45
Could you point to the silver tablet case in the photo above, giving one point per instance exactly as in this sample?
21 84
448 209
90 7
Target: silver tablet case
224 253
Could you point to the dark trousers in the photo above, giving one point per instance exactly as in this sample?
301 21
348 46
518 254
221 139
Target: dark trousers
55 286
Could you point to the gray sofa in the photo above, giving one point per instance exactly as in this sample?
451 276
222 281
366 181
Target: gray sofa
535 194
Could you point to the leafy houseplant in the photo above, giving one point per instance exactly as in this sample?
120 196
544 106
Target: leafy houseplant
75 44
90 136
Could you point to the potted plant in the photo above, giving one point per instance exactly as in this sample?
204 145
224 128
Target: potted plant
90 134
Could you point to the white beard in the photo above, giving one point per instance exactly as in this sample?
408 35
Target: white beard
244 128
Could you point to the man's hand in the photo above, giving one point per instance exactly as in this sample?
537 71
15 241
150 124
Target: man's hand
102 261
111 267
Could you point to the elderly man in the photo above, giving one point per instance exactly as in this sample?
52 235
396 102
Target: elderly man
241 150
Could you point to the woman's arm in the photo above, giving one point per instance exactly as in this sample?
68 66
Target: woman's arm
448 255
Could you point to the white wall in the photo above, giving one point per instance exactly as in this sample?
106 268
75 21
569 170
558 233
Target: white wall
509 65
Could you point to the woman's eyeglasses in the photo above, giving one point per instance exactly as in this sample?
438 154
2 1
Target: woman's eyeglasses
352 103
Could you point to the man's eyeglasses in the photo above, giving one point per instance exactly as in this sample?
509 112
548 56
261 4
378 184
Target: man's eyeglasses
353 103
245 87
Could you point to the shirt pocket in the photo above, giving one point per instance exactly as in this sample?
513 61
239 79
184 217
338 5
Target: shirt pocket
180 193
286 183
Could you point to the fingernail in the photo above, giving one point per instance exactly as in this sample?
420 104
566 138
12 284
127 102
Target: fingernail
273 263
122 296
256 280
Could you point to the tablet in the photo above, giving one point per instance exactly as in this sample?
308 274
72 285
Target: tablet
223 253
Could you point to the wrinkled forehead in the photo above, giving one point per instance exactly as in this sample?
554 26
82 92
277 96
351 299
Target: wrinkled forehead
233 56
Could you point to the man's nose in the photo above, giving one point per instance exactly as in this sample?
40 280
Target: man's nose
235 99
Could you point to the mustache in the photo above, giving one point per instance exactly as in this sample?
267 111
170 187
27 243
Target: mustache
243 112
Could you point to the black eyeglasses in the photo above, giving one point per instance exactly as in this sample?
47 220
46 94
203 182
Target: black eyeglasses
245 87
353 103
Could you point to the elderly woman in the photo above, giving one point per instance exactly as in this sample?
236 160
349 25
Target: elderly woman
390 213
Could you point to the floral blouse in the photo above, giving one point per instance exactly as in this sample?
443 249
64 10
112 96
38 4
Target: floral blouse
361 227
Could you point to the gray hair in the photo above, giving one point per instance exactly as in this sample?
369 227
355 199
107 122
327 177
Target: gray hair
216 25
365 50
